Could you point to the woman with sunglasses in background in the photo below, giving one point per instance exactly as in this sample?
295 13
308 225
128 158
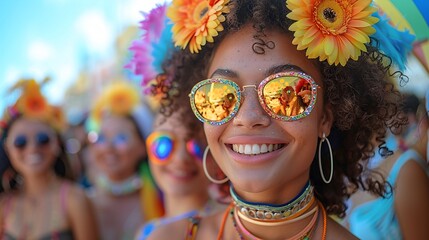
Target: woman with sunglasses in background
291 127
124 195
177 143
38 200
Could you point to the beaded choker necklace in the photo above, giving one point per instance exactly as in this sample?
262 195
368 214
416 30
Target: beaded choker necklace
270 212
127 186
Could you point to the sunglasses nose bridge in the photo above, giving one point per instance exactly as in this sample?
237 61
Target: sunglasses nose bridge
251 113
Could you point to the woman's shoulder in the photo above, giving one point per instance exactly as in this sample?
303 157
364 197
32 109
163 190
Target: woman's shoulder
74 196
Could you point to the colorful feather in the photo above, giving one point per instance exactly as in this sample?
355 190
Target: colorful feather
153 46
392 42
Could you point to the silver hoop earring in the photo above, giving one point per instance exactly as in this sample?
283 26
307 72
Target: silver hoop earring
206 172
327 181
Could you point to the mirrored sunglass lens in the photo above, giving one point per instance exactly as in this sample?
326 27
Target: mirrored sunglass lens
42 139
162 147
20 142
287 96
195 149
215 101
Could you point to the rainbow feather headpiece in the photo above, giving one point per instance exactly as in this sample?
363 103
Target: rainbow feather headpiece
153 47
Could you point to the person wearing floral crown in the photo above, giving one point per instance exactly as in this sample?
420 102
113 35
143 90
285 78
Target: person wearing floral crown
288 170
124 194
176 145
37 197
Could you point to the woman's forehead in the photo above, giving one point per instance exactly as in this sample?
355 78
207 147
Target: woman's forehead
235 53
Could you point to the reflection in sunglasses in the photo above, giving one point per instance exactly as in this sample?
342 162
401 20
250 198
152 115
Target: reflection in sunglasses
287 96
41 139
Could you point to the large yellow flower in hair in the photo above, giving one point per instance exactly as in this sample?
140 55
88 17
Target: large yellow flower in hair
332 30
120 98
196 22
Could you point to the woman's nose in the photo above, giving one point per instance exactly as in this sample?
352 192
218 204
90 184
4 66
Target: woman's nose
251 114
181 155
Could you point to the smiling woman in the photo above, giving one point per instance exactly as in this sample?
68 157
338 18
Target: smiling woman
37 198
292 95
124 194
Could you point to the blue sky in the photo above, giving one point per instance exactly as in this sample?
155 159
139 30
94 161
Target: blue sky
50 37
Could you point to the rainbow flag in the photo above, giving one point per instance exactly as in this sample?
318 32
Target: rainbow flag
412 15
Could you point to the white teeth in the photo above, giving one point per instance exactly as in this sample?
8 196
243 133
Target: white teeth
264 148
241 149
235 147
255 148
34 159
247 149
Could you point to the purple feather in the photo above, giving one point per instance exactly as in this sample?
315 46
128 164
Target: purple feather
152 26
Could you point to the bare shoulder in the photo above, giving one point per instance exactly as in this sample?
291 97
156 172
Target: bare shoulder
73 188
75 196
80 212
335 231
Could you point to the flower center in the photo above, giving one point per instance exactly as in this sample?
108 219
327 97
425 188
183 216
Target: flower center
35 104
201 10
331 16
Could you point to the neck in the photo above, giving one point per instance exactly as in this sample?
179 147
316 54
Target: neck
296 217
119 188
40 184
177 205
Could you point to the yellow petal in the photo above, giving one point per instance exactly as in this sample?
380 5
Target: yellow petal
358 23
357 35
360 5
209 39
221 18
212 32
329 45
212 24
219 28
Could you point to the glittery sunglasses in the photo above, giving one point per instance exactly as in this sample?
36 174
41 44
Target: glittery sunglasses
286 96
162 145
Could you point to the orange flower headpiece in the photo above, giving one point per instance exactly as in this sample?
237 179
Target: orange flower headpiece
196 22
122 99
32 104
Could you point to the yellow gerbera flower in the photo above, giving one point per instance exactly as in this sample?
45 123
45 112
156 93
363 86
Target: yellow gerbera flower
121 98
332 30
196 22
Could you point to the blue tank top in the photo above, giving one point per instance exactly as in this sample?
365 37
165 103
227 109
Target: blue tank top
376 219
